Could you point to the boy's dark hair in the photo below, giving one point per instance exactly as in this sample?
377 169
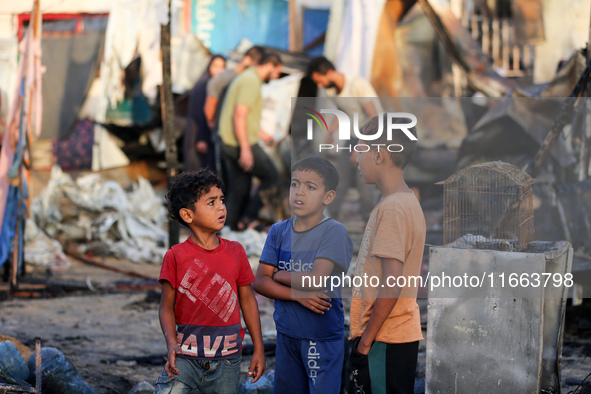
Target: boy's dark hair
187 188
256 53
399 159
328 173
320 65
271 58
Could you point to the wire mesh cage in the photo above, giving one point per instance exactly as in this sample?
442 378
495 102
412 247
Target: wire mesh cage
488 206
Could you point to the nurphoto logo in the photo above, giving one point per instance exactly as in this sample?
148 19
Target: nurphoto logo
345 129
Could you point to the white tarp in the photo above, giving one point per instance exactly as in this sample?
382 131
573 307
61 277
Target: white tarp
128 224
8 75
133 29
351 35
41 250
189 58
562 37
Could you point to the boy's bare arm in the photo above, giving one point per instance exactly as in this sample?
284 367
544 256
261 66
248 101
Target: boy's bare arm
385 302
316 300
266 286
250 312
168 325
322 269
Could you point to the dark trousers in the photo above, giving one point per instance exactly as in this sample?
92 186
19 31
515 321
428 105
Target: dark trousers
207 160
392 367
238 203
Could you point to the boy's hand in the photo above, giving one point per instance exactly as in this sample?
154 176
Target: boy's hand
257 366
361 347
360 369
316 301
170 367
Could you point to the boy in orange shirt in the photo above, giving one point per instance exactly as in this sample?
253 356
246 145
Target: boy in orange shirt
385 322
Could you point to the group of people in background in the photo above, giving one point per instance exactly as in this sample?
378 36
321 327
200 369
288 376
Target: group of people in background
207 280
223 128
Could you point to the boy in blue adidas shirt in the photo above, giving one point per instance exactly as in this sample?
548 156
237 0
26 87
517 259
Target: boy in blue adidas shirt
307 249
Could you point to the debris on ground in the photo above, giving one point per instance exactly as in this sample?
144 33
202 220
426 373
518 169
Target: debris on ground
13 368
142 388
103 217
43 251
253 241
58 374
23 350
263 386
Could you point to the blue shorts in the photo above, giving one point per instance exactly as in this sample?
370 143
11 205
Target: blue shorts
304 366
207 376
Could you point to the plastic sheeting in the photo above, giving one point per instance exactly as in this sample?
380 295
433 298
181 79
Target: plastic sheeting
189 60
43 251
133 28
351 35
71 67
26 100
566 29
8 75
253 241
127 224
220 25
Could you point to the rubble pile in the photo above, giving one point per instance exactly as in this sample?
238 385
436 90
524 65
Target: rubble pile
58 374
103 217
43 251
253 241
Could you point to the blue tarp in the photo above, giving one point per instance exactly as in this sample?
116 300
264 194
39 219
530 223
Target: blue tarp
221 24
8 228
315 23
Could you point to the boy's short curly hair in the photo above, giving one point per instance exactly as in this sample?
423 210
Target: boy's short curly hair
187 188
328 172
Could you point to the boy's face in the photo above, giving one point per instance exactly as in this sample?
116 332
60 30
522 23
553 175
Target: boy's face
209 212
366 164
307 194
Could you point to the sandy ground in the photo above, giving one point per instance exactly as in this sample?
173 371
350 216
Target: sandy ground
113 336
101 332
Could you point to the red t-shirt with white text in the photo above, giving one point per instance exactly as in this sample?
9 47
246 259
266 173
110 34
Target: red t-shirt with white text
207 311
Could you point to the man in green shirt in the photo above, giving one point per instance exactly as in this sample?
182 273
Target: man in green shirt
239 131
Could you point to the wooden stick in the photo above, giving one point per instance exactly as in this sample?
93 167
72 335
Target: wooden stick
167 103
99 264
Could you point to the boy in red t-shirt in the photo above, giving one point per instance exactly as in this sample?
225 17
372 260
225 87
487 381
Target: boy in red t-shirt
205 280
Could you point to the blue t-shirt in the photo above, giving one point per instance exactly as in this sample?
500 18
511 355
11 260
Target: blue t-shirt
292 250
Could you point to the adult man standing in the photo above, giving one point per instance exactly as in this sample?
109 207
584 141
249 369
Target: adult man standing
351 94
217 84
217 88
239 131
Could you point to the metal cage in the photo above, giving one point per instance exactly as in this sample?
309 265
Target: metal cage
488 206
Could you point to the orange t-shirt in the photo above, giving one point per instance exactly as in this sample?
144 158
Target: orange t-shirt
396 230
